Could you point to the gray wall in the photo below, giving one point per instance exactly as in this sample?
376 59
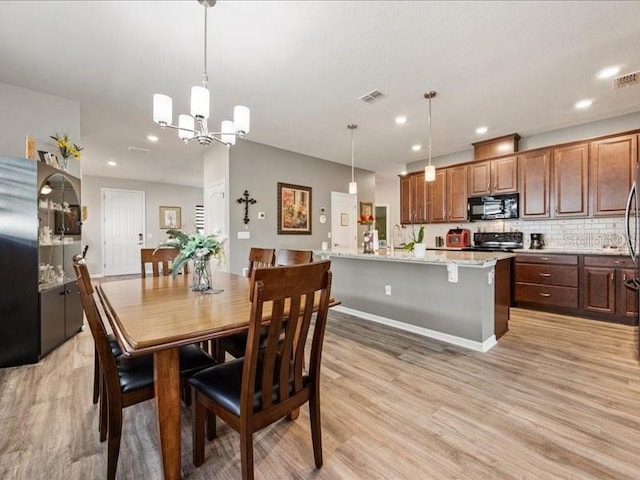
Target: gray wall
27 112
258 168
156 194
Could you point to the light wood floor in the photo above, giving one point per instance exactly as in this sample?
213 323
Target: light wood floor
557 398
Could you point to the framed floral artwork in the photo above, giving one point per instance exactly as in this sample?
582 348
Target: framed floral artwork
170 217
366 209
294 209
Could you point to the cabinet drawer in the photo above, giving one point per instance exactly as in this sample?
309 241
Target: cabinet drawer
547 295
566 276
611 262
557 259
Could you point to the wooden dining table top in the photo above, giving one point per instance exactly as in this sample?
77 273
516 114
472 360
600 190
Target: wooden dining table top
148 314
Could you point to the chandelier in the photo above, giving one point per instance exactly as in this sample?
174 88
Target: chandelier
194 126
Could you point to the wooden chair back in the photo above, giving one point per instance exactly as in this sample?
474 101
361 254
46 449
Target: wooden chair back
161 257
293 257
260 258
291 292
98 331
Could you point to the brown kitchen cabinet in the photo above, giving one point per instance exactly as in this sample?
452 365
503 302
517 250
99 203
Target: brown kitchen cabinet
413 206
612 163
627 304
457 194
547 281
494 177
571 180
604 290
534 170
438 197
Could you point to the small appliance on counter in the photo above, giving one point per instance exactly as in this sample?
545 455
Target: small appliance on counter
536 241
458 238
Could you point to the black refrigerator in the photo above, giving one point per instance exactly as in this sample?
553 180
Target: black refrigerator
632 236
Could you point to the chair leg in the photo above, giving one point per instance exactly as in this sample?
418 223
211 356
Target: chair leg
316 430
219 353
115 432
96 377
246 453
186 395
102 421
198 430
211 426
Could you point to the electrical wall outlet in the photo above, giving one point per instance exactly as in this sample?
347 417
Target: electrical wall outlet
387 289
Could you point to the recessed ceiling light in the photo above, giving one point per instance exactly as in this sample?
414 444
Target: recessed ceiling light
416 148
111 163
608 72
152 138
481 130
401 120
586 103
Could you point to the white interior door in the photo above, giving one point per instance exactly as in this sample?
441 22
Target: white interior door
344 222
123 231
215 208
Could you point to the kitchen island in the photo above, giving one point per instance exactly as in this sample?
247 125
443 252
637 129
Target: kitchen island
459 297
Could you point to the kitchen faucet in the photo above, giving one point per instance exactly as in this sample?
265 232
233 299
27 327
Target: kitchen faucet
393 231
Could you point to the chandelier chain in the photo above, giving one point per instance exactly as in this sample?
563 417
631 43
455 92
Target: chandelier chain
205 77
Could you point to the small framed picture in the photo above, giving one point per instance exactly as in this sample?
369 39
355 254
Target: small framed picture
170 218
344 219
366 209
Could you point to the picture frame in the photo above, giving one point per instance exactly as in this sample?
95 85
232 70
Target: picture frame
294 209
170 218
344 219
366 209
68 223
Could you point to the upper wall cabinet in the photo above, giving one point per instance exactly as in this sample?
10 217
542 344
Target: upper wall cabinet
438 197
613 161
534 169
457 194
570 180
413 196
493 177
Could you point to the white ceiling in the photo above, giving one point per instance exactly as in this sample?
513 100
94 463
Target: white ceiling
301 66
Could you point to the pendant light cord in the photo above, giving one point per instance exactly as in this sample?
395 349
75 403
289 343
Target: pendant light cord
352 154
429 129
205 77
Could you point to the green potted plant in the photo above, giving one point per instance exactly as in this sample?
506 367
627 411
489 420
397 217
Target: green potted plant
416 245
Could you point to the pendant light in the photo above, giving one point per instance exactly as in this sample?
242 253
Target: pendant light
429 170
353 186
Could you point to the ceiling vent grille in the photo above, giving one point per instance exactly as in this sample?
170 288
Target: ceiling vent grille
372 96
626 80
138 149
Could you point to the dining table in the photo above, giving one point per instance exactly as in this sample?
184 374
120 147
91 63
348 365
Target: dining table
157 315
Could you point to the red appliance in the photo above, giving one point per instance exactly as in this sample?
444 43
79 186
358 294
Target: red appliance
458 238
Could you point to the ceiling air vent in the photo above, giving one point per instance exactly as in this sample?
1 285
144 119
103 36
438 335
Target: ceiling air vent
138 149
372 96
626 80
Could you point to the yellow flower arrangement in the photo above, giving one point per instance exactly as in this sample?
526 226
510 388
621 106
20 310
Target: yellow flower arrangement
67 149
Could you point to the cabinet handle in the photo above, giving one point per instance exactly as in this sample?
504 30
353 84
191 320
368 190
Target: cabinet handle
624 277
618 262
611 275
544 294
545 258
545 274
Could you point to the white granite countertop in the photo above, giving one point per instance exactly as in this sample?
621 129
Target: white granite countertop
434 257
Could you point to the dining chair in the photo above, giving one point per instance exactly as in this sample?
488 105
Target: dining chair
124 381
235 344
159 257
265 385
293 257
260 258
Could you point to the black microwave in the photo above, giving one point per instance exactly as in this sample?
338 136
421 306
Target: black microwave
491 207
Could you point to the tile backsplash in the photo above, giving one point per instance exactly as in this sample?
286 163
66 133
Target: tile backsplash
585 234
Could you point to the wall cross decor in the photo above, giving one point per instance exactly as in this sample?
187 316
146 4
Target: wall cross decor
247 201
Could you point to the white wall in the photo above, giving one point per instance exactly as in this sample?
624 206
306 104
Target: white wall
156 195
39 115
388 192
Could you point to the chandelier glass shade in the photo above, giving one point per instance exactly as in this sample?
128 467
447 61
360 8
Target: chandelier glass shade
194 126
429 170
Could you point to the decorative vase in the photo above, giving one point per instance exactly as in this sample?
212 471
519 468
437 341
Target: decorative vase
64 163
419 250
201 275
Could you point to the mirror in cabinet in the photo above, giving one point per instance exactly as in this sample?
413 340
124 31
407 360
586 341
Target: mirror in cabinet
59 231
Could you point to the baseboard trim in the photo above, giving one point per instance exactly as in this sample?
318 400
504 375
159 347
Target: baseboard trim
425 332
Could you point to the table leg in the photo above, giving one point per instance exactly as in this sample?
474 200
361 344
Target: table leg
166 365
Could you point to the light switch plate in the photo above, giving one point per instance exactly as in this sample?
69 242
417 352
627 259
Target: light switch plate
244 235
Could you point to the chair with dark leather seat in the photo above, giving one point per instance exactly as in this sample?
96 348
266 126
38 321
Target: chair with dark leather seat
125 381
254 391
